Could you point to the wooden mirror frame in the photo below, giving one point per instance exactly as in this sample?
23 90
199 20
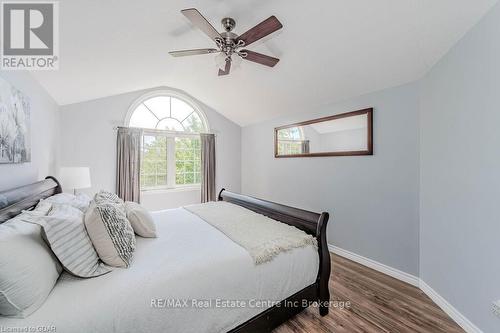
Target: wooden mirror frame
369 135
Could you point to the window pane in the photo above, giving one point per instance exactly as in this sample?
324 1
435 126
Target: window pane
289 147
180 109
160 106
167 113
189 178
292 133
187 161
170 124
193 123
142 117
154 162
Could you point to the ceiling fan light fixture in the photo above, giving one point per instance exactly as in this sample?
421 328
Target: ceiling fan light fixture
236 61
220 60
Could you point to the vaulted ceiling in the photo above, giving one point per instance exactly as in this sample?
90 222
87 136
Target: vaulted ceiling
329 50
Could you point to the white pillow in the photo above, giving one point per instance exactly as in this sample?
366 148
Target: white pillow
42 208
80 201
110 232
29 269
141 220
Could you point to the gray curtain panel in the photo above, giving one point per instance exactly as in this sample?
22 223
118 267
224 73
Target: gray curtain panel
128 164
305 147
207 167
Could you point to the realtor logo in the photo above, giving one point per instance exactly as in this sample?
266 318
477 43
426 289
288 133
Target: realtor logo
30 35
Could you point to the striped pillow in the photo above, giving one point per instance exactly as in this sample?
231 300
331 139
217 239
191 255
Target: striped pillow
65 233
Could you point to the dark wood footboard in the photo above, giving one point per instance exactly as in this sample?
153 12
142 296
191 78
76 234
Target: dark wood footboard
311 223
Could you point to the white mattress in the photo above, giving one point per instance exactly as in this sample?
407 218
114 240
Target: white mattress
189 260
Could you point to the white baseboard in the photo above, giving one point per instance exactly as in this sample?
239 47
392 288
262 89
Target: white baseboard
449 309
393 272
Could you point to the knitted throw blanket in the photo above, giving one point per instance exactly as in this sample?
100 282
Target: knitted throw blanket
262 237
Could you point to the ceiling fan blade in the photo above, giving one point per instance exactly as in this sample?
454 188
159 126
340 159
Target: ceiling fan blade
226 70
184 53
260 58
201 22
261 30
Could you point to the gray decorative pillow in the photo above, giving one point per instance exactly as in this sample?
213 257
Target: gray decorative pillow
107 197
29 269
110 232
65 233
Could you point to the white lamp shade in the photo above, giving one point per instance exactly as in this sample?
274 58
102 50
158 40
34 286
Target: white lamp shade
74 177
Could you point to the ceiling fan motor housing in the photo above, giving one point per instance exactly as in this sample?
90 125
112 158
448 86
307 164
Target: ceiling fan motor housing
228 23
228 43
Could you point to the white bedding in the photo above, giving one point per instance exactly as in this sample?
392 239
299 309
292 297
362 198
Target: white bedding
189 260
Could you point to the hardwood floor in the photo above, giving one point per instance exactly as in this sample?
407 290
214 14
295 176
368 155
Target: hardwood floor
378 303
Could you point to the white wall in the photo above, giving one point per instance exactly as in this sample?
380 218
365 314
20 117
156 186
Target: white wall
373 200
44 134
460 174
88 139
159 200
347 140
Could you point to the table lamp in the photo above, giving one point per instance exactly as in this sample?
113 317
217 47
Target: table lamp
74 178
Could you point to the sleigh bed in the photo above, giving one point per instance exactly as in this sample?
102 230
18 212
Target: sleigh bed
190 260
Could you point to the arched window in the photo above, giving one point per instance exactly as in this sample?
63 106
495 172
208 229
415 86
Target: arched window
171 141
291 141
292 133
166 112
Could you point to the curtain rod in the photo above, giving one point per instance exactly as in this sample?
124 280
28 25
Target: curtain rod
149 130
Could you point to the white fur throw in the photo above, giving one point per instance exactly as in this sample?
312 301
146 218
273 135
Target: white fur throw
262 237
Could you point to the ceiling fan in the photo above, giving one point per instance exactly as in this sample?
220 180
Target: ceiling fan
228 43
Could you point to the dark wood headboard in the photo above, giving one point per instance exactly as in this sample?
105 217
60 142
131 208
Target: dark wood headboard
14 201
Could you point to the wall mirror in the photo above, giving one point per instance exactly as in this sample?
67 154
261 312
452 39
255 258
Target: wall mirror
345 134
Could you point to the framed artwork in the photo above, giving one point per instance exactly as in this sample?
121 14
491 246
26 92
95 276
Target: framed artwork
15 130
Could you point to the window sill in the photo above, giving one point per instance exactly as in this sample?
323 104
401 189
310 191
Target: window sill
171 190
